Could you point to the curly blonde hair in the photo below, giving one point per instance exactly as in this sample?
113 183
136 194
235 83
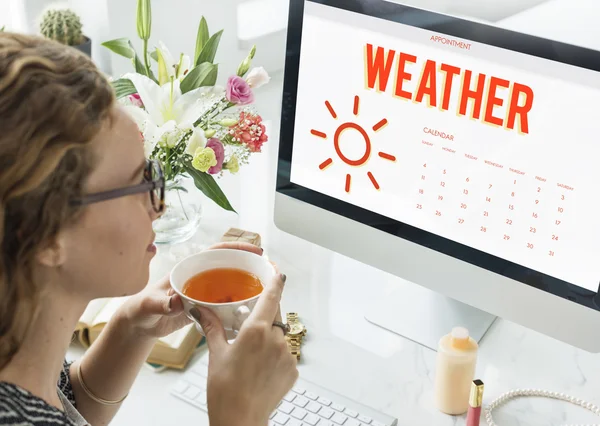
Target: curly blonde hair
53 101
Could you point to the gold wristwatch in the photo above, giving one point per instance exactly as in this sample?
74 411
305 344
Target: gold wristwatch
296 334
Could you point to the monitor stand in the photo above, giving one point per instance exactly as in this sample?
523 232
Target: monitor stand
424 316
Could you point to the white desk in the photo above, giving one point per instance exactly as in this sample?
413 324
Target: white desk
345 353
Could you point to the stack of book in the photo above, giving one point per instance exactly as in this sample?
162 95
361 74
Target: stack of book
174 350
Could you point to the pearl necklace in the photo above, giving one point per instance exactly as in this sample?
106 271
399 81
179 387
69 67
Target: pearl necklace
502 399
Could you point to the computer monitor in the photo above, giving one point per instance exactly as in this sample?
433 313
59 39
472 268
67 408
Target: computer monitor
458 156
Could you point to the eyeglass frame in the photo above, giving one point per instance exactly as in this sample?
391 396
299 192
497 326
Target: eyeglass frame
149 186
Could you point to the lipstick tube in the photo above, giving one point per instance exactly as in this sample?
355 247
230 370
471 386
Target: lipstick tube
475 403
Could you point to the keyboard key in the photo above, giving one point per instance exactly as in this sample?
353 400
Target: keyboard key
351 413
300 401
325 423
299 413
281 419
285 407
338 407
201 398
289 397
352 422
366 420
311 395
273 414
299 391
293 422
313 407
326 413
192 392
324 401
378 424
311 419
201 369
181 386
339 419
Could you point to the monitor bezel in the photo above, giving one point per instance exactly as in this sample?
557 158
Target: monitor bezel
450 26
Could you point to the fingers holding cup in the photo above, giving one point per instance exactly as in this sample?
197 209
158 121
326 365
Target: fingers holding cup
268 304
238 245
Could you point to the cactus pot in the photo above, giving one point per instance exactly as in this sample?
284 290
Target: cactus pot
85 47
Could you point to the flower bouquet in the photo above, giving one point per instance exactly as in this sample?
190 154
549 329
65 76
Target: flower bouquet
194 127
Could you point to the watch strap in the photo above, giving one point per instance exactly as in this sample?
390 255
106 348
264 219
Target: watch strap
294 342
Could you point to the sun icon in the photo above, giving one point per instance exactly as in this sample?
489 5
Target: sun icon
368 148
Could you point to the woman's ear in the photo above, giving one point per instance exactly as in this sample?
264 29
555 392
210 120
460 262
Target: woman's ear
52 254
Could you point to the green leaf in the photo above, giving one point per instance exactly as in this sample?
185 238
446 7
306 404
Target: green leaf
123 87
139 66
201 39
209 187
121 46
154 55
178 188
203 75
124 47
210 49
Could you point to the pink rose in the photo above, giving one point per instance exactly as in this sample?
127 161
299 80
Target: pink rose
216 145
238 91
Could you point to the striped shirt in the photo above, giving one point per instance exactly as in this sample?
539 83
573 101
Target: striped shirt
19 407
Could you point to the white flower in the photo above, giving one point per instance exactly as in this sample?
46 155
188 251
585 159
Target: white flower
149 130
197 140
168 59
183 67
160 134
166 108
257 77
173 138
174 69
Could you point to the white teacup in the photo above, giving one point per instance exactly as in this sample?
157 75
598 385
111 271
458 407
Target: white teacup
232 314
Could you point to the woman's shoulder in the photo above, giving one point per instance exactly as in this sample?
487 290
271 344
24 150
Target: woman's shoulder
20 407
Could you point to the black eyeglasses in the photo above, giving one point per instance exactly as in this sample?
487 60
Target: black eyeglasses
154 183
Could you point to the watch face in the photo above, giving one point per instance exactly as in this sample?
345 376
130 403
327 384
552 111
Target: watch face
296 328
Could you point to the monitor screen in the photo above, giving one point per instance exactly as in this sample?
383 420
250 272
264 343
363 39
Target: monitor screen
473 140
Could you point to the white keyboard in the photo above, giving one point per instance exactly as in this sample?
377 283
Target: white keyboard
307 404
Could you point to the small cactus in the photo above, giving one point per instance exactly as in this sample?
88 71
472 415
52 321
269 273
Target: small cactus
62 25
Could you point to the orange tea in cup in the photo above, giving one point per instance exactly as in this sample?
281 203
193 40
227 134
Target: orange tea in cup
222 285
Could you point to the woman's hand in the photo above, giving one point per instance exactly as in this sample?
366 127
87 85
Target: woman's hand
157 311
248 378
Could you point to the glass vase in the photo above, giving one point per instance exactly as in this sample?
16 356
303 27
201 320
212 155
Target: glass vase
182 215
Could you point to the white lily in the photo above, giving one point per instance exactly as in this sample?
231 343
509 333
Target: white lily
166 108
171 68
183 66
150 131
166 63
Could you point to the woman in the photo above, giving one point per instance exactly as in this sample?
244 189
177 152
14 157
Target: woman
63 141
